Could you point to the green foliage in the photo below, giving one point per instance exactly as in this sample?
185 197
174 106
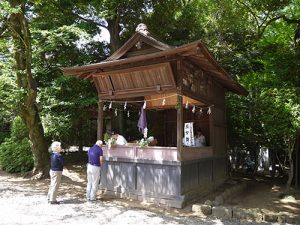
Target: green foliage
16 156
106 138
15 151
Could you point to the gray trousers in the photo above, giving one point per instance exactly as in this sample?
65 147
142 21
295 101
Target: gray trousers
55 177
93 177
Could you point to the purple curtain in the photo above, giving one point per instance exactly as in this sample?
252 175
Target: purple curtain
142 124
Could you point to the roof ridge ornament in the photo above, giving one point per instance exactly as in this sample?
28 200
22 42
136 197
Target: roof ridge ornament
142 28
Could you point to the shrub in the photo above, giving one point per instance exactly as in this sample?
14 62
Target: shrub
18 130
15 152
16 156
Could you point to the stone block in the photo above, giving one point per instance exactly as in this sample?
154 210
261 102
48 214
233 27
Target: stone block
247 214
270 217
293 219
202 209
281 219
208 202
206 209
196 208
222 212
239 213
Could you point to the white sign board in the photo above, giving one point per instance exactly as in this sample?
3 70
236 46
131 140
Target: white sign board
189 134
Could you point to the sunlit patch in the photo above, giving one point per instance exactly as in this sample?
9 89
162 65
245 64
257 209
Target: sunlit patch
275 188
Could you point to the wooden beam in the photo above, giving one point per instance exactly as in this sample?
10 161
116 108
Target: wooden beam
137 92
167 66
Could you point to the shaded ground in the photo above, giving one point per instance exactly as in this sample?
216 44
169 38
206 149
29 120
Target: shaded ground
268 194
261 192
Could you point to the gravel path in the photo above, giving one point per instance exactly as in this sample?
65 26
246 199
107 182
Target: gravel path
24 202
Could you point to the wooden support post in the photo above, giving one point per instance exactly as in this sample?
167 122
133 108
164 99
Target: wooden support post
179 126
100 121
179 110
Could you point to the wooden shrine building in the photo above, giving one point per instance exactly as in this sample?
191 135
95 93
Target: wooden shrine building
192 86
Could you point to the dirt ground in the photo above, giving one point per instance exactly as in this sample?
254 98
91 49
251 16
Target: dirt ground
261 192
267 193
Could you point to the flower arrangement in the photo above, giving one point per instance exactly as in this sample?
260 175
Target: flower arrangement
106 137
109 140
143 142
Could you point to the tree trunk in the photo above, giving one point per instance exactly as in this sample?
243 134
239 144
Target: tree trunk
114 30
27 108
291 146
291 171
80 136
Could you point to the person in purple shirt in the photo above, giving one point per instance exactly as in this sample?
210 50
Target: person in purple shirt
57 164
95 160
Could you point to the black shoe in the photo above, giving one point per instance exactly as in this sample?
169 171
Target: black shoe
54 202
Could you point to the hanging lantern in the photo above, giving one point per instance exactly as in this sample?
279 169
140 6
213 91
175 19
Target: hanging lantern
116 112
110 105
194 109
128 114
125 105
164 102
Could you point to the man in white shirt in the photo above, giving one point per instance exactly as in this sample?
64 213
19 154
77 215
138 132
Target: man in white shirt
120 140
200 139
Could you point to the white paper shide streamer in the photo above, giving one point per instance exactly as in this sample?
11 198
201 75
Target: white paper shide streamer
187 104
209 111
194 109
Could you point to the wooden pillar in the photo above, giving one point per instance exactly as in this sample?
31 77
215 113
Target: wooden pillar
179 110
100 121
179 127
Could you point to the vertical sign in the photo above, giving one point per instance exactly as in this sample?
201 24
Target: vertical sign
189 134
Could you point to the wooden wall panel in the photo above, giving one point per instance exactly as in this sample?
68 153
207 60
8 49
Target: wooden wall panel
220 141
158 180
167 182
219 116
220 168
